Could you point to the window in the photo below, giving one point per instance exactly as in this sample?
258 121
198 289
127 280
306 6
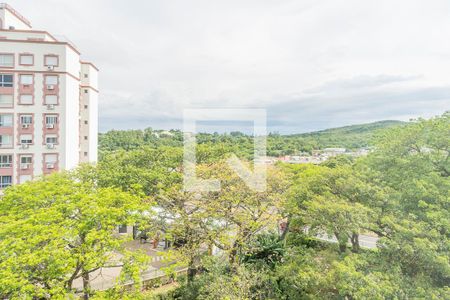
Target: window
85 154
6 100
51 119
25 162
26 99
122 228
5 161
51 60
6 120
51 99
6 80
26 59
26 79
26 139
51 80
85 106
26 119
85 122
85 75
26 159
85 137
5 181
24 178
86 91
51 139
5 141
51 158
7 60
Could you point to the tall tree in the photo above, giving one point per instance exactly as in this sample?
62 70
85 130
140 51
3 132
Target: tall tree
57 229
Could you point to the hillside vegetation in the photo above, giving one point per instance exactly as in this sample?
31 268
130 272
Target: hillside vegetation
351 137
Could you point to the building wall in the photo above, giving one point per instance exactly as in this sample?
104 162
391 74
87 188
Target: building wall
89 99
73 106
11 18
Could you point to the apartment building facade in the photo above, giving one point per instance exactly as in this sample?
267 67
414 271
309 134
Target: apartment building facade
48 102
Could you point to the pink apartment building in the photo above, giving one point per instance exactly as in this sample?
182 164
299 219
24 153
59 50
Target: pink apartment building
48 102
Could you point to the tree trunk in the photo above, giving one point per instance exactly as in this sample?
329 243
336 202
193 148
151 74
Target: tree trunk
285 231
233 254
86 284
74 275
355 242
342 241
191 271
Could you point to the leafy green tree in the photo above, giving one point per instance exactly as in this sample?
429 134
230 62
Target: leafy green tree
329 200
413 162
240 212
57 229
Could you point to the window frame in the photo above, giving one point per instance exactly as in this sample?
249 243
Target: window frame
27 142
11 123
46 77
23 117
48 117
53 96
51 56
4 83
6 165
28 76
26 156
46 155
8 104
13 61
25 103
4 185
10 145
51 136
26 54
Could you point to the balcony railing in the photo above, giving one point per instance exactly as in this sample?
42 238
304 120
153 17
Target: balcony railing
5 145
5 185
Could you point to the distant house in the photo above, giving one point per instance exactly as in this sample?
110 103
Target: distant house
330 152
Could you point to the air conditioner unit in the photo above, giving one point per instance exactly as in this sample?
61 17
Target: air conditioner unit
50 87
24 166
50 68
50 166
50 126
50 146
50 106
25 125
24 146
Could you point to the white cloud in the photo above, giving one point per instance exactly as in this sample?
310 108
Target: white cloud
345 60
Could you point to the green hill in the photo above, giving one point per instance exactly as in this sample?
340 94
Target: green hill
353 136
350 137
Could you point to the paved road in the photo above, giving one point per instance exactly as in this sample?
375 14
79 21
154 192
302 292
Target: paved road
106 278
365 241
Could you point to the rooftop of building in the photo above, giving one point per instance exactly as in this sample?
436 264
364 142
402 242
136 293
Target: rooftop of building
16 13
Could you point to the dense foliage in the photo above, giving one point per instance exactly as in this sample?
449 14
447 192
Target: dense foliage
350 137
299 239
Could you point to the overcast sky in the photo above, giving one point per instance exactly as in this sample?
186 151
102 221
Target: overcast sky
312 64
